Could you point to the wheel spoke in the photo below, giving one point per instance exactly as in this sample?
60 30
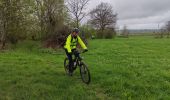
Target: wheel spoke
85 74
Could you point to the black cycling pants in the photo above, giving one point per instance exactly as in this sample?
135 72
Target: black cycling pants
70 58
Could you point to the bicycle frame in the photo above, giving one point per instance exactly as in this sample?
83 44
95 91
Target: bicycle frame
78 61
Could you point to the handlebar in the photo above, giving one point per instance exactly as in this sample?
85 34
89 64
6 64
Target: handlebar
79 52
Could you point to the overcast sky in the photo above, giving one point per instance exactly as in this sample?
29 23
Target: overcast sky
139 14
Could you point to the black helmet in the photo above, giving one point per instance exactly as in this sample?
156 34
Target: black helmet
76 30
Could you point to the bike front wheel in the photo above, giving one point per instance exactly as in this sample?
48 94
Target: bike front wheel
85 73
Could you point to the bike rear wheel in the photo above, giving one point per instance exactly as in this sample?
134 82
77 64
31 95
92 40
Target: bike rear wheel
66 66
85 73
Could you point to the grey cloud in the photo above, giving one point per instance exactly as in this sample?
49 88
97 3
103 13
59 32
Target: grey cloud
139 12
140 8
151 19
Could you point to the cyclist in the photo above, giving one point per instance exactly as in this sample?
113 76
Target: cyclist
70 47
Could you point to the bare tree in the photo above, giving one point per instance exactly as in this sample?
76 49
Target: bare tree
164 31
103 17
168 29
125 32
76 8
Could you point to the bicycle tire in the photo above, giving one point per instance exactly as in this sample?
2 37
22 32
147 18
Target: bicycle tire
85 71
66 66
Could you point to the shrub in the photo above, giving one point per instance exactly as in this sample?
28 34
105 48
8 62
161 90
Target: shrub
57 40
109 34
100 34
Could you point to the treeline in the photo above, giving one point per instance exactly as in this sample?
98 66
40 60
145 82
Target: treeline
51 20
30 19
164 31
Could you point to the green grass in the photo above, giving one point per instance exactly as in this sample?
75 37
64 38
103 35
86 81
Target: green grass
134 68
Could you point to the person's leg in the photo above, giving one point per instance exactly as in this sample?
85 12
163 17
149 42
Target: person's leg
70 60
74 59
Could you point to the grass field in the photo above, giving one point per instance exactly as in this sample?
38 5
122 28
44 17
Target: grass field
137 68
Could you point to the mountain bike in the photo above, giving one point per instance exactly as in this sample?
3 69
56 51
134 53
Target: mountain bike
78 61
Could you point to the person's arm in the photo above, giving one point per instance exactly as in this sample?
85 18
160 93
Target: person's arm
68 42
81 43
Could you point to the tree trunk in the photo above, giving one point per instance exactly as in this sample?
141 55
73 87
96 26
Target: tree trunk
168 34
3 40
77 23
3 37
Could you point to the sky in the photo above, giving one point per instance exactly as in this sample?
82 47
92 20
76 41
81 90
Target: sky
138 14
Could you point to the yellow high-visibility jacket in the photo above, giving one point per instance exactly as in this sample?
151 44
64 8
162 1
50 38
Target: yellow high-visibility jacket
71 43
